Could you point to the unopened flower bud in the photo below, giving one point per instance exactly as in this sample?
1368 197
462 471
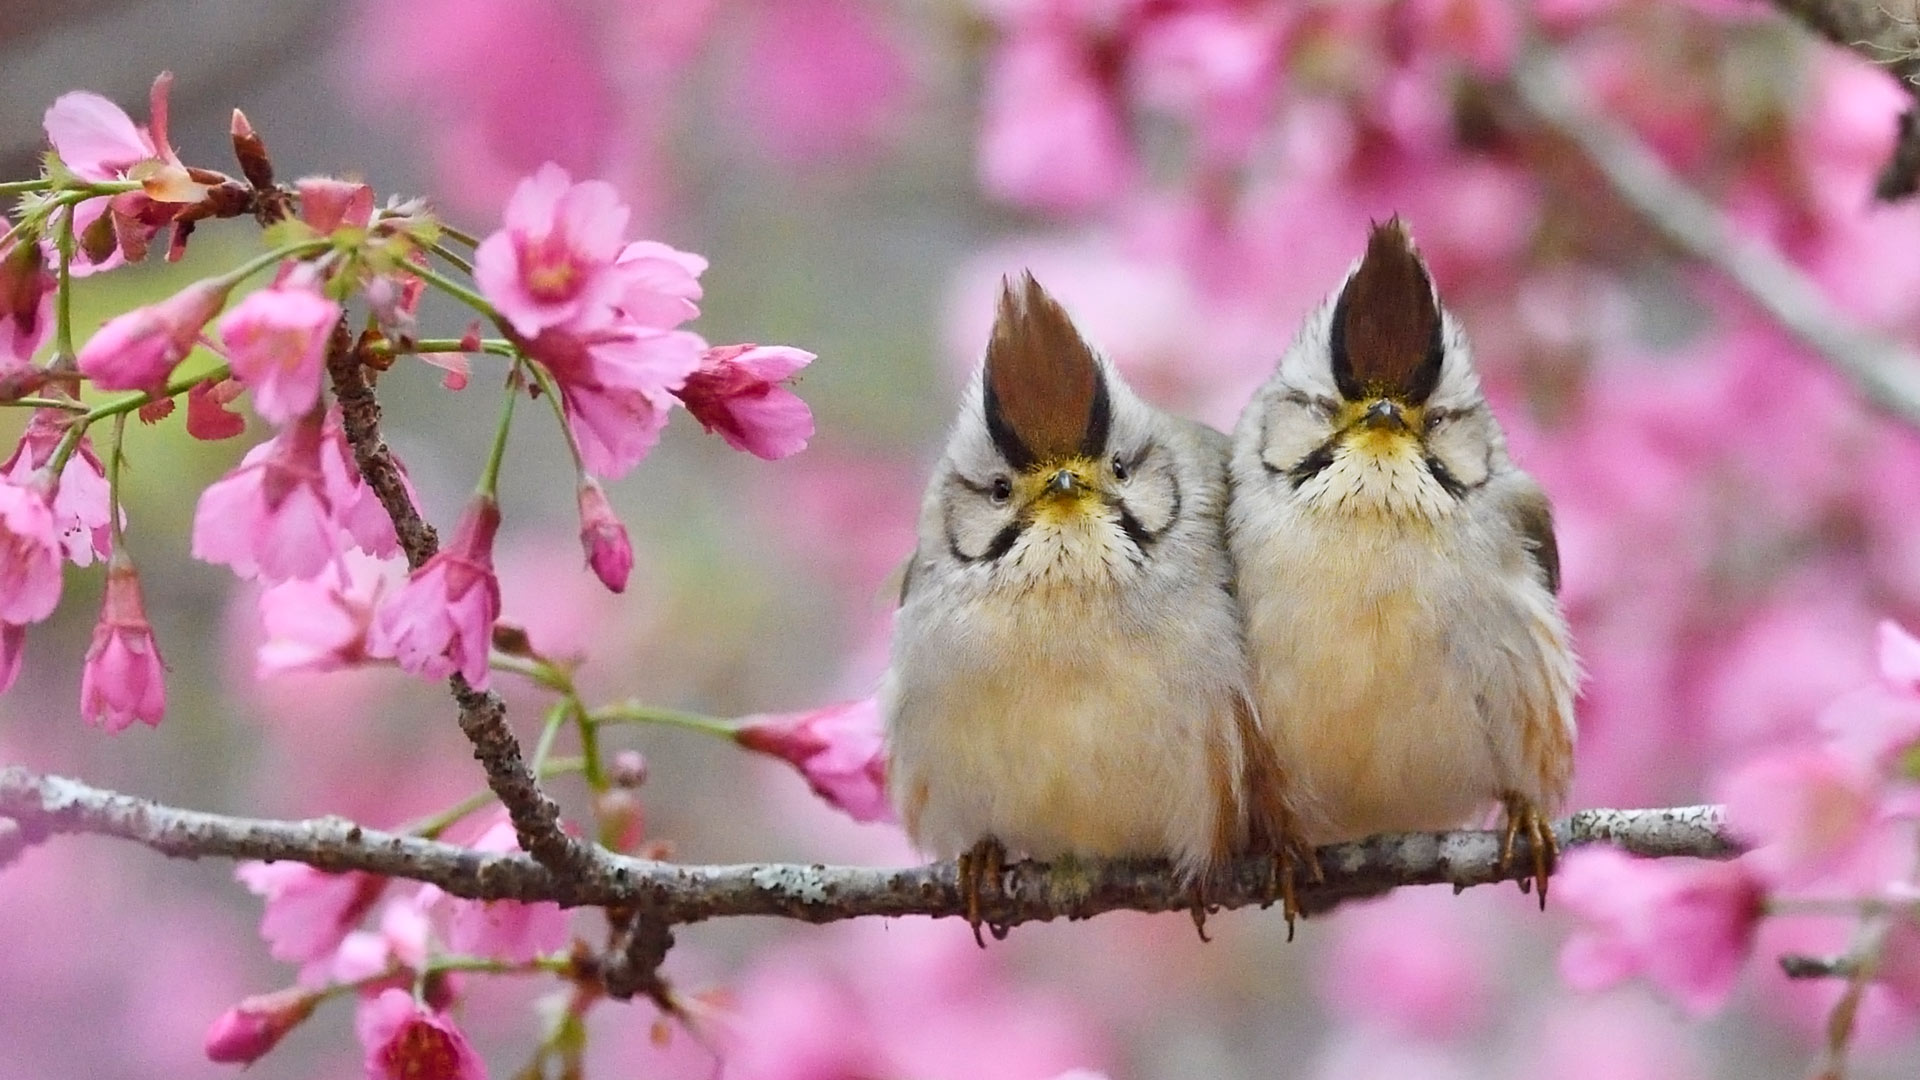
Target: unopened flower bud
604 538
244 1033
629 769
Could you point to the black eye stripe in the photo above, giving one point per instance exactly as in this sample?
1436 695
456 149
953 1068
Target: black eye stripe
1142 537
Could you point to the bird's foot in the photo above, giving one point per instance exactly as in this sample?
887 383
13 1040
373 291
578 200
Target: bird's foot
985 861
1291 855
1522 815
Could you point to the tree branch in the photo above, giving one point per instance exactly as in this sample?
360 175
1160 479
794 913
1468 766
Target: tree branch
1867 27
1884 372
483 716
670 893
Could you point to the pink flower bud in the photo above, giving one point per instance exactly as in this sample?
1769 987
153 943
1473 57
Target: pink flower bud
244 1033
604 538
26 303
441 620
839 749
138 350
327 203
124 679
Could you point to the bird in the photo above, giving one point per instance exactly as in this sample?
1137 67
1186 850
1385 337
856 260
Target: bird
1067 677
1399 577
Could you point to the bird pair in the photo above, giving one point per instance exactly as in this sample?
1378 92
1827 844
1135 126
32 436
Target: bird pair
1124 634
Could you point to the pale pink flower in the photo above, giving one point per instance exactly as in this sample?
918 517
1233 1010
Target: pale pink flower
1805 811
1879 724
1415 962
274 516
503 929
551 262
29 554
98 141
96 138
405 1040
617 390
327 203
441 620
356 506
738 391
80 498
397 946
276 342
320 625
26 304
1685 925
821 80
1054 137
658 284
138 350
609 552
840 749
245 1033
124 678
308 912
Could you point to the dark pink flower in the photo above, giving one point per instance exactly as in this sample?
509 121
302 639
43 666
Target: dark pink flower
274 516
840 749
738 392
124 678
1685 925
29 554
609 552
1053 136
26 304
80 510
502 929
208 418
320 625
326 203
138 350
617 389
276 342
441 620
405 1040
551 263
244 1033
308 912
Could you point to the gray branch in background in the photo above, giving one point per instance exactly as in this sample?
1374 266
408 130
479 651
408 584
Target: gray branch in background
1886 32
671 893
1885 372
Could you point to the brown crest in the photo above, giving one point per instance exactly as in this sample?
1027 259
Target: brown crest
1385 339
1045 398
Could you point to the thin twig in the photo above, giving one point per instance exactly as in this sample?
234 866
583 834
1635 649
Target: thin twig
1870 28
672 894
483 716
1887 374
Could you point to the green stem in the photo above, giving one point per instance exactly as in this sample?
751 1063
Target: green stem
496 346
269 258
63 299
552 393
452 288
21 187
466 238
633 712
63 404
459 262
133 401
595 773
490 479
113 484
430 828
556 716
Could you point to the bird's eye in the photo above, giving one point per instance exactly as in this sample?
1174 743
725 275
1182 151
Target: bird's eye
1325 407
1001 489
1436 417
1120 470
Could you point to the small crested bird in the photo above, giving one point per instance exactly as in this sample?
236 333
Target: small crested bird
1399 576
1068 676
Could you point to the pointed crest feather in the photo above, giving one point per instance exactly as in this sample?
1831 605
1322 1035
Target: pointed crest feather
1385 338
1045 396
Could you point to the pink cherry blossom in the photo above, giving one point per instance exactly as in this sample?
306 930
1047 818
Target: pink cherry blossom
1805 811
96 138
245 1033
822 80
1415 963
441 620
658 284
276 342
356 506
405 1040
326 203
398 945
1686 926
609 552
124 678
308 912
840 749
98 141
26 304
274 517
29 554
1053 137
617 390
503 929
320 625
551 263
738 392
138 350
80 510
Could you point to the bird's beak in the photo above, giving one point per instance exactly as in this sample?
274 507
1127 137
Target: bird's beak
1063 484
1384 414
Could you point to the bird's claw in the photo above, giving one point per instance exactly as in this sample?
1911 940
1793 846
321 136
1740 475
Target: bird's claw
1522 814
1290 855
985 861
